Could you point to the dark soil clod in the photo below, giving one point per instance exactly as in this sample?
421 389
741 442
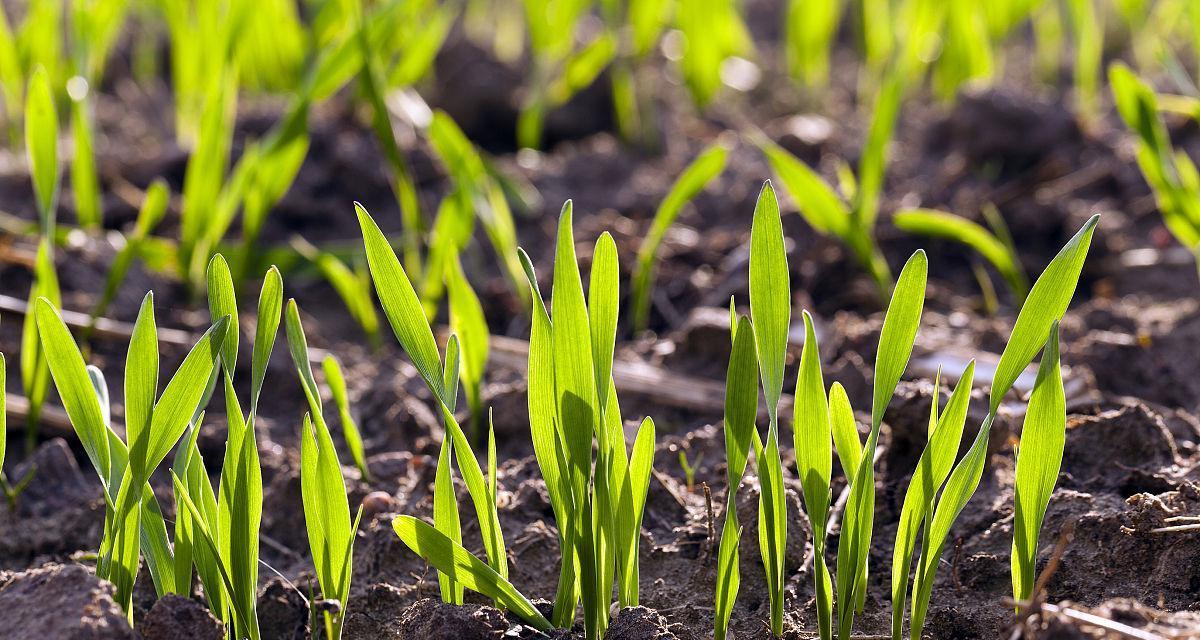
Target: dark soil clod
60 601
178 618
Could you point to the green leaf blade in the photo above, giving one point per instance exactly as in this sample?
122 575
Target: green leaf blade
449 557
770 295
1046 303
1039 458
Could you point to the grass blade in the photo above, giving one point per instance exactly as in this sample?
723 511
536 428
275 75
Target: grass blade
34 376
327 517
896 340
469 324
141 373
706 167
74 386
899 333
337 388
222 302
770 295
41 146
845 430
447 556
446 518
543 427
85 183
603 300
400 302
1046 303
939 224
206 538
632 504
179 400
154 207
932 468
728 576
741 403
772 526
814 464
578 413
1039 457
820 205
270 310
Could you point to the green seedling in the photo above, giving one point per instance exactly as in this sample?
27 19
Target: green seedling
451 558
770 315
337 388
152 211
397 45
469 324
713 31
967 47
41 150
813 441
96 25
413 39
703 170
326 506
1049 35
561 68
407 318
267 167
482 191
995 246
1171 174
741 410
1033 331
809 32
85 183
822 420
217 532
452 230
1039 457
204 41
204 193
272 46
35 377
353 286
689 469
944 434
1086 26
637 27
403 186
851 218
152 427
597 500
896 339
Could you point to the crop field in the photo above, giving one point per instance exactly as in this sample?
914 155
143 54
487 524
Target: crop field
586 319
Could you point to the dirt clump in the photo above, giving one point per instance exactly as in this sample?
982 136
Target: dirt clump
60 601
177 618
430 619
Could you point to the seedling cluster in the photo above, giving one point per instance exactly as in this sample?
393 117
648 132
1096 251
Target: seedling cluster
597 469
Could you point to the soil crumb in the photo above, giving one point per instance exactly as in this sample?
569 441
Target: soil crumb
639 623
282 612
177 618
430 619
60 601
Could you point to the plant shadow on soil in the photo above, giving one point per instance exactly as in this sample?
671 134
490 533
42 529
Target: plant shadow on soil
1130 342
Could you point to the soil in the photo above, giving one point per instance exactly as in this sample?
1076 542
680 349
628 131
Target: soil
1131 348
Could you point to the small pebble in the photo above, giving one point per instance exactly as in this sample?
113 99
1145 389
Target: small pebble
377 502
